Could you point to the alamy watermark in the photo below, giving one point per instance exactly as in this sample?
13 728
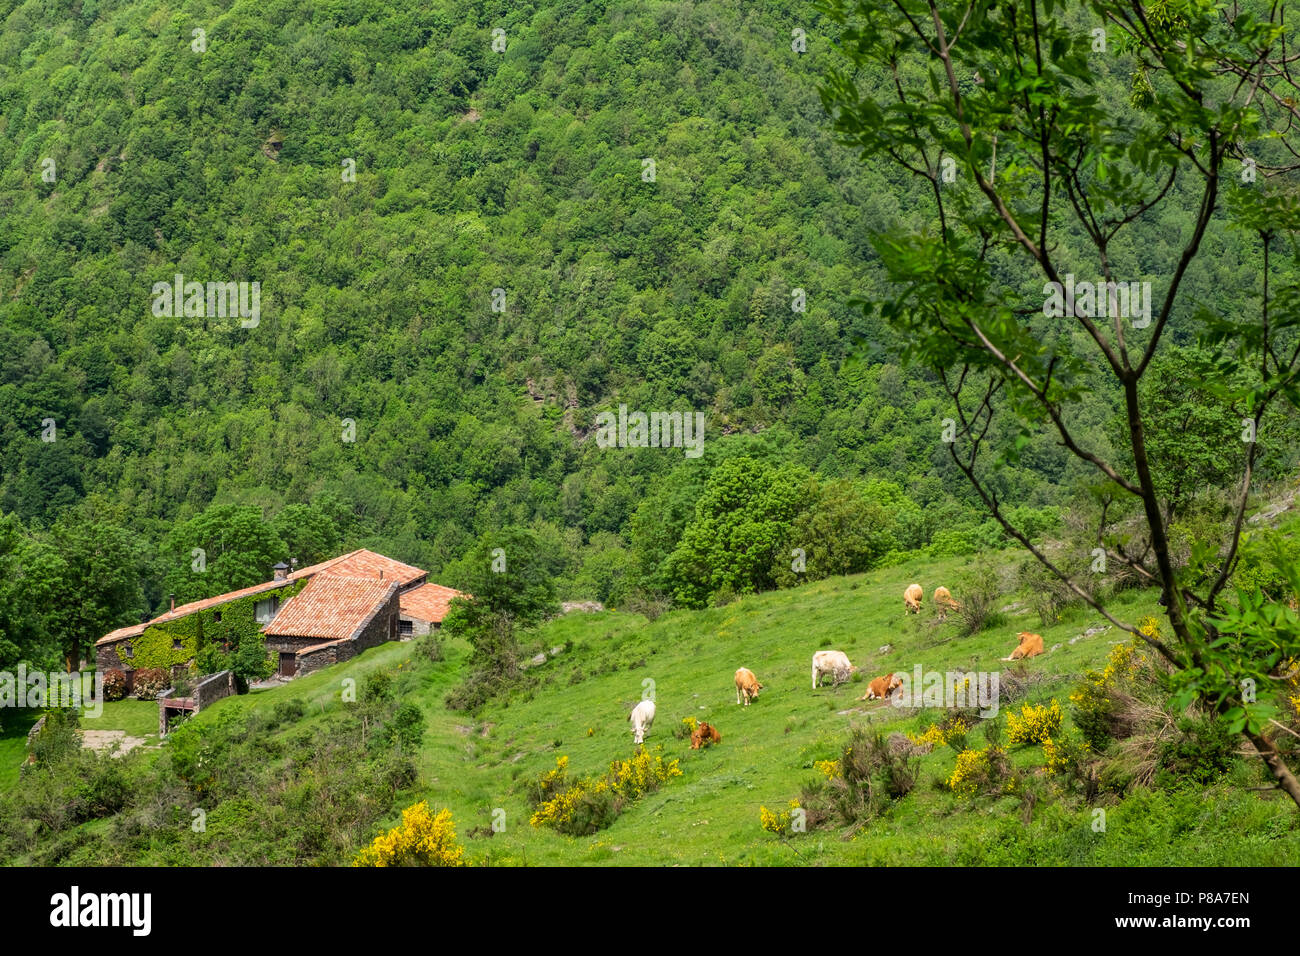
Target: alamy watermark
38 689
654 430
948 689
1100 299
213 300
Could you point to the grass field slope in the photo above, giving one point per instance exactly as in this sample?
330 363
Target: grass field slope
479 766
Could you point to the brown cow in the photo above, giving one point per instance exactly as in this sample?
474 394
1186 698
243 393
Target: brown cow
704 735
945 602
1031 645
747 685
882 687
912 599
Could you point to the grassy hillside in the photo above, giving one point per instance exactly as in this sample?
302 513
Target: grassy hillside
710 815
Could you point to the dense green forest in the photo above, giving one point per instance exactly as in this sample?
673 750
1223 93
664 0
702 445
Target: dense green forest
657 193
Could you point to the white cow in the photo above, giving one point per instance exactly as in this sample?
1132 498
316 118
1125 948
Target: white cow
642 716
831 662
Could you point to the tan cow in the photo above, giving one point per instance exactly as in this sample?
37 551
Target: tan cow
882 687
945 602
912 599
747 685
1031 645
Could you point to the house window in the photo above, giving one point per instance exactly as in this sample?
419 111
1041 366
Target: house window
176 643
264 611
216 617
128 650
405 627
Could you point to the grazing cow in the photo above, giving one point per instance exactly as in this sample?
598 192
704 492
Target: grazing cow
945 602
831 662
882 687
747 685
1031 645
703 735
642 716
912 599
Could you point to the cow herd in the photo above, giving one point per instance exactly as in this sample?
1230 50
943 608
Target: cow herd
835 664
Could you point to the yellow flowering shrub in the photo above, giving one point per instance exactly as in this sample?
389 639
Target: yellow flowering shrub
1034 723
423 839
584 806
937 735
640 774
1290 671
778 822
979 770
1065 754
1090 702
829 767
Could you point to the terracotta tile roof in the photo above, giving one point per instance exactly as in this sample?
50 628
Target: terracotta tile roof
355 564
121 633
429 602
186 609
331 607
364 564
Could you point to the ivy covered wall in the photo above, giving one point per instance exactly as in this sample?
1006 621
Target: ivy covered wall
177 642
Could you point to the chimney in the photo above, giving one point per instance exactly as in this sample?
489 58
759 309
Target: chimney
173 602
280 571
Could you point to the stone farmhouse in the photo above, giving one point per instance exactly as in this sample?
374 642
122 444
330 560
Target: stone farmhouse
309 617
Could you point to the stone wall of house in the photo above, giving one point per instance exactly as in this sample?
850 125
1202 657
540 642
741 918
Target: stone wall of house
107 659
382 627
418 628
317 657
290 645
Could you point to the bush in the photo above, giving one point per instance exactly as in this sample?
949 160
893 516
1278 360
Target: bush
1068 757
981 771
287 710
1093 702
1035 723
780 822
429 647
980 595
212 659
251 662
406 727
648 604
114 685
377 685
1202 751
869 774
150 682
951 730
582 807
422 840
1049 596
58 737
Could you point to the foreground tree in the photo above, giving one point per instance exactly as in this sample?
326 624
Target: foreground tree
510 589
86 578
1013 117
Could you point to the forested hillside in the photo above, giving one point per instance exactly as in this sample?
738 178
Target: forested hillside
656 192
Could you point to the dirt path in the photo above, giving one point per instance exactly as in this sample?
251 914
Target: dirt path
115 742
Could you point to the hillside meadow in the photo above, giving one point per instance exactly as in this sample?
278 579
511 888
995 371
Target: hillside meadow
477 766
